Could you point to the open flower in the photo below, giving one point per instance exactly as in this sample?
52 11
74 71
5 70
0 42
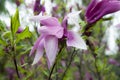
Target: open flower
98 8
51 31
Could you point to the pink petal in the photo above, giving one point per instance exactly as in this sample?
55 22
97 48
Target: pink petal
46 20
51 48
65 24
36 44
90 6
74 39
39 53
50 21
56 30
99 8
38 18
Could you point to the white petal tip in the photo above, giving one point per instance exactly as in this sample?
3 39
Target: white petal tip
33 63
84 48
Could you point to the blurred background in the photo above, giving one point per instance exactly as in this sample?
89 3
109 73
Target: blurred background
106 35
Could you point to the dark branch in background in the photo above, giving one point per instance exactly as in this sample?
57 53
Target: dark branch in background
15 62
96 67
52 71
92 48
16 68
87 32
68 66
80 66
36 31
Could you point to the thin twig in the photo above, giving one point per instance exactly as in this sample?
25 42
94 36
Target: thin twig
56 71
92 48
80 66
88 33
98 73
36 31
51 71
72 56
16 67
49 78
15 62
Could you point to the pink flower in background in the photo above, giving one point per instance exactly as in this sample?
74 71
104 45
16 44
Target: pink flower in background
19 30
18 2
88 76
51 31
99 8
113 62
10 73
38 7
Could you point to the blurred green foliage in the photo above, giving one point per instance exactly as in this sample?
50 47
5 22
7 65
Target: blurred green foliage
93 62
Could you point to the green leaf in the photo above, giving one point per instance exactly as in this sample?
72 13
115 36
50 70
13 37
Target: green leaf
25 52
25 34
15 23
6 34
82 23
99 65
60 55
2 41
107 18
1 51
100 50
2 25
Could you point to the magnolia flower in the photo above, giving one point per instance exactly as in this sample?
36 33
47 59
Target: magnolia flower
51 31
38 7
98 8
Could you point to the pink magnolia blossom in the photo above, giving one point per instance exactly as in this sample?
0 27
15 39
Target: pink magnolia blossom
51 31
98 8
